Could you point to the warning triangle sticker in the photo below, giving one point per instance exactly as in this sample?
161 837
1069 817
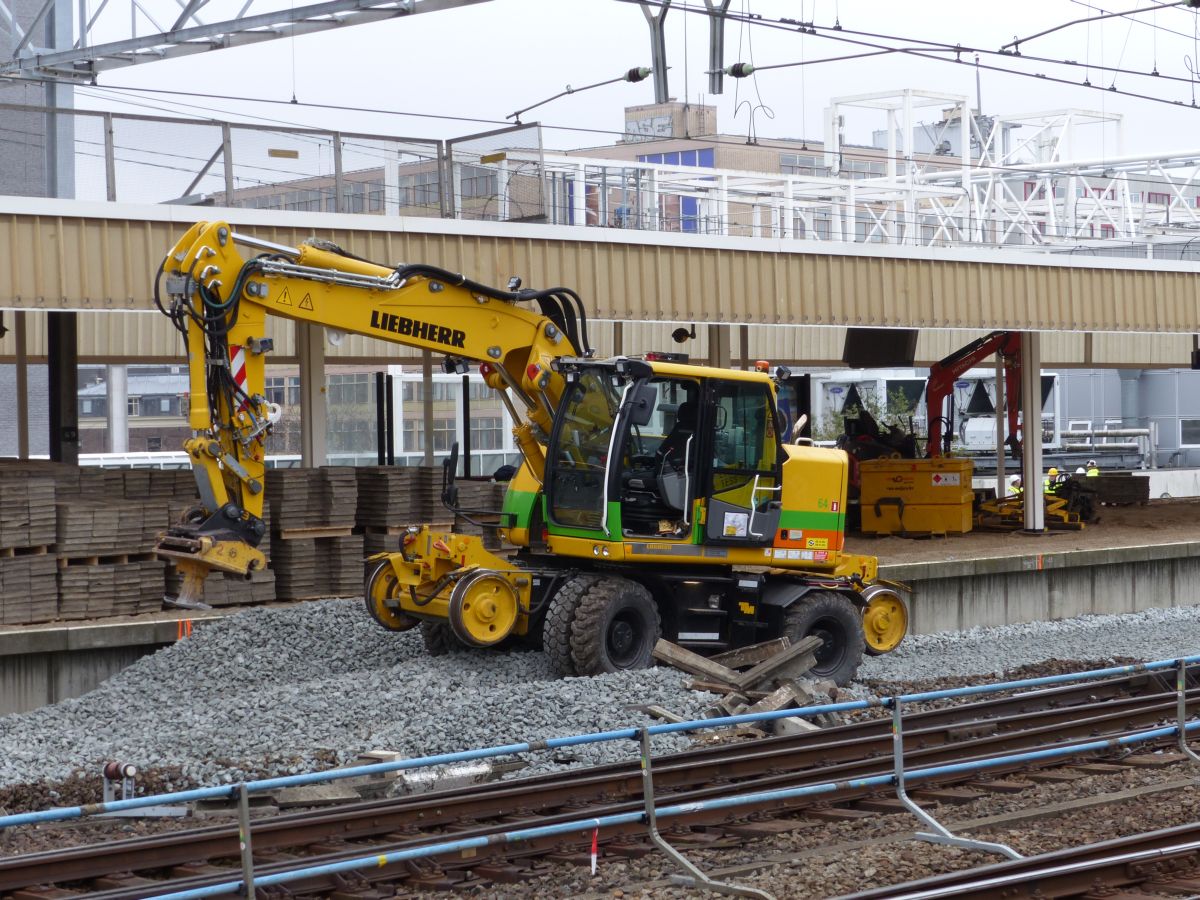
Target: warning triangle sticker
285 298
306 303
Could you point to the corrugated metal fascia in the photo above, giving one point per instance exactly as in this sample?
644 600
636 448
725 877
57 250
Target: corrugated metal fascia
640 277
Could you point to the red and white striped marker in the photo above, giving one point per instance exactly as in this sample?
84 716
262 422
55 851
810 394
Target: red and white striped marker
595 848
237 365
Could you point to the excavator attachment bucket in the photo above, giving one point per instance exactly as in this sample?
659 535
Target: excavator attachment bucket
195 557
191 592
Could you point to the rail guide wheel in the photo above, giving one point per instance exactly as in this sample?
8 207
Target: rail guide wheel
484 608
379 594
885 622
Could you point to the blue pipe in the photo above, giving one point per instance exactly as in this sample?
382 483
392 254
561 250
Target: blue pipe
270 784
543 831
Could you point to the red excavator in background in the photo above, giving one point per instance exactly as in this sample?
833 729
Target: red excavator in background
865 439
945 372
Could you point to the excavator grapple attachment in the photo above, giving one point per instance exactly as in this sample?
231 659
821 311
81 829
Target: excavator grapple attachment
195 557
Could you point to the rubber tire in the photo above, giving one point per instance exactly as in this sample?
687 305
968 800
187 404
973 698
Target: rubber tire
556 627
439 639
838 618
601 604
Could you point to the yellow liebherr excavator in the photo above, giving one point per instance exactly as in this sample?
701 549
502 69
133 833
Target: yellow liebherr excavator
656 498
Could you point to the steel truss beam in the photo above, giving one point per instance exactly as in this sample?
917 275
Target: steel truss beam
184 35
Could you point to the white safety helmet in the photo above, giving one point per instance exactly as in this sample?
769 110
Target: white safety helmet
1081 471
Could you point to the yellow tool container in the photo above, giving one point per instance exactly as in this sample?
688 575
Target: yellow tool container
916 496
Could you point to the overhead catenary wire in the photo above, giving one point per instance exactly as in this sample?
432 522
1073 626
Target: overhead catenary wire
836 34
1016 42
865 153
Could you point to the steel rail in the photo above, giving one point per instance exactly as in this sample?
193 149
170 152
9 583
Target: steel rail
928 730
1055 723
1128 860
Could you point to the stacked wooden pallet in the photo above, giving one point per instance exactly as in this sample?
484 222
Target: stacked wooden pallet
482 501
104 555
391 498
398 496
313 549
307 568
28 584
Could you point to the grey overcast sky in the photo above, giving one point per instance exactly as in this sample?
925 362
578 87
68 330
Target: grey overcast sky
485 61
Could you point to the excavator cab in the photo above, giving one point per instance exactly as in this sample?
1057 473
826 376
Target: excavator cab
666 452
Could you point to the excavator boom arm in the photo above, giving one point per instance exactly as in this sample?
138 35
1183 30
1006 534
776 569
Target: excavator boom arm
219 300
943 374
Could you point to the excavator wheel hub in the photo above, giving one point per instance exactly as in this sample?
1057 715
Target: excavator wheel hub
382 587
885 622
483 609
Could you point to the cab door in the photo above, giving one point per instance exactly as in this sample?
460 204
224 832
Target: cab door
745 480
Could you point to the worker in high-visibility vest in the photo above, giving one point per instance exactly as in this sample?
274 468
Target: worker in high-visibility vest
1092 468
1017 487
1050 480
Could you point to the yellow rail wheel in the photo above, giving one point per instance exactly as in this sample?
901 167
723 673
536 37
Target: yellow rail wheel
483 609
885 622
383 586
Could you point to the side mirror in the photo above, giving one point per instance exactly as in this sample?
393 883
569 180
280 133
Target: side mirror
642 403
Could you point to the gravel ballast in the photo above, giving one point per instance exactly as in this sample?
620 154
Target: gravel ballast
285 690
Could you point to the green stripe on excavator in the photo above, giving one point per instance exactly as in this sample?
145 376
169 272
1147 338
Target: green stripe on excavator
817 521
520 504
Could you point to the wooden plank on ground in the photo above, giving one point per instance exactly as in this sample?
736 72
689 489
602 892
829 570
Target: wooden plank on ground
692 663
791 663
752 655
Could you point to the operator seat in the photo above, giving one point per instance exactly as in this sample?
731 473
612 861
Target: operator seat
672 457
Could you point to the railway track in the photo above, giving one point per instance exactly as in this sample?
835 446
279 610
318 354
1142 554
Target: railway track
202 857
1164 863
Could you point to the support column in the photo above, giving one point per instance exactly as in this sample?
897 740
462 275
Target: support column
1031 431
22 384
744 347
718 346
310 348
618 347
1001 420
427 403
117 393
62 353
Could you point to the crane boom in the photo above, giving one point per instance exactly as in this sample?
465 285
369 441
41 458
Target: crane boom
220 299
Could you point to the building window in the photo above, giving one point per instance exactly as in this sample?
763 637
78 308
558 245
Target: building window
419 189
799 164
1189 432
476 181
85 407
443 391
349 389
284 391
134 406
164 405
1158 198
375 196
414 435
153 444
487 433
